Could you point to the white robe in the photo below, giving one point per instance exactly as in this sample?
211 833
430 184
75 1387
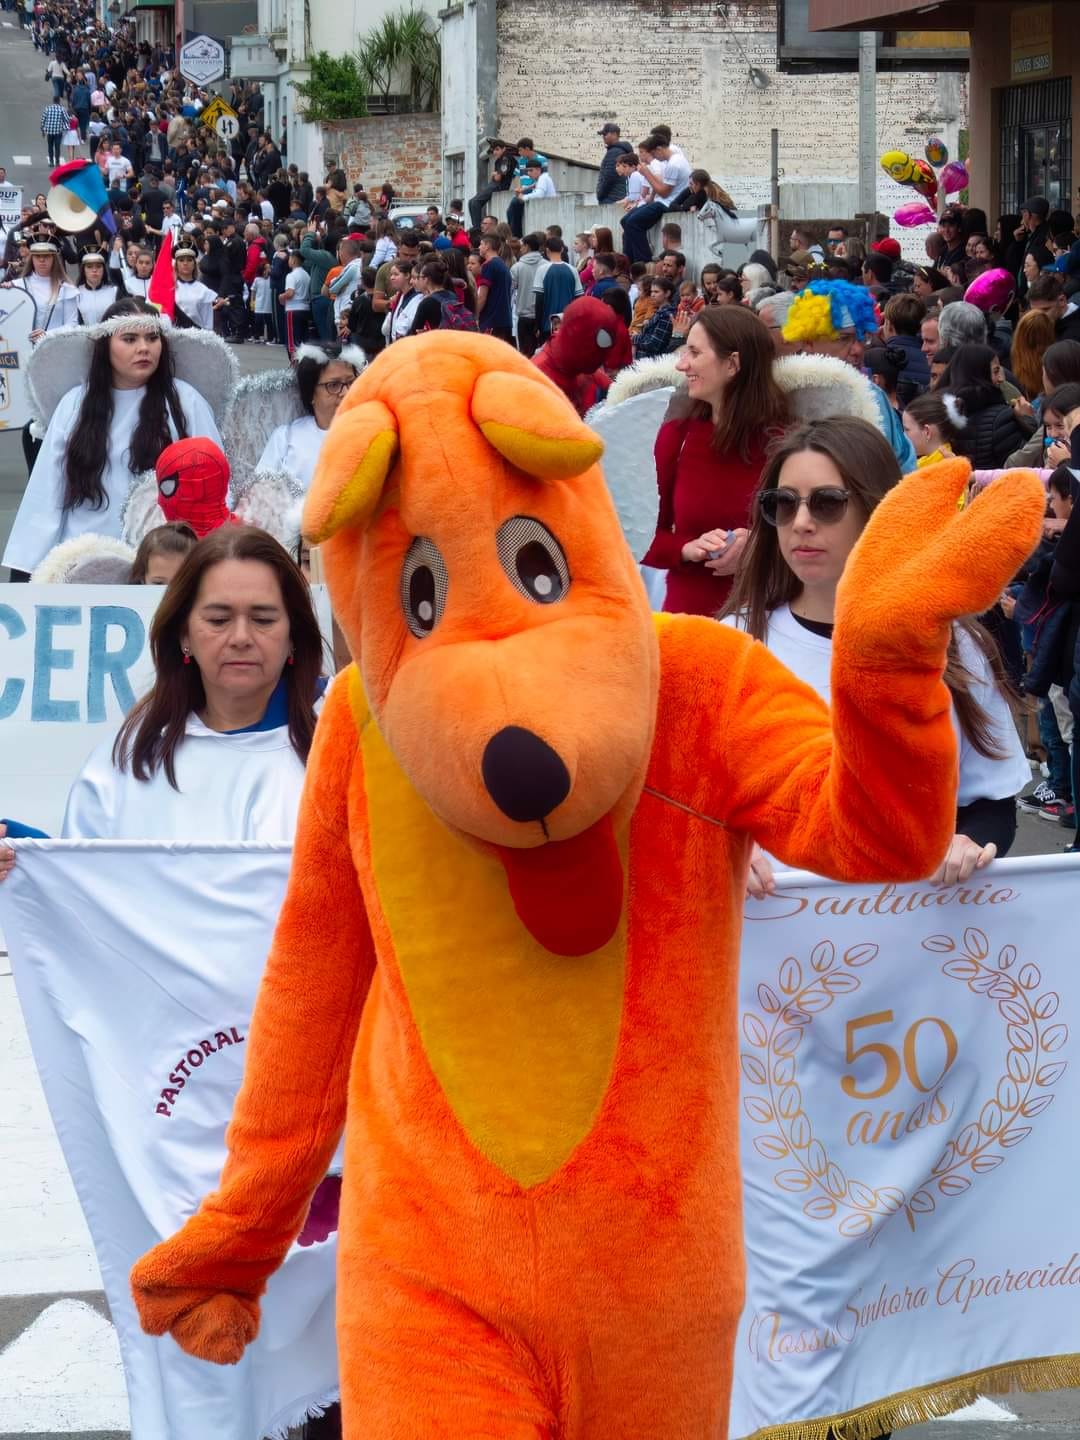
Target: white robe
41 522
50 314
294 448
94 303
197 302
232 788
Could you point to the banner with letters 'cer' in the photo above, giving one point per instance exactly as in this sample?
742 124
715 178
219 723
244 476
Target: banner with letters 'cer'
73 660
909 1096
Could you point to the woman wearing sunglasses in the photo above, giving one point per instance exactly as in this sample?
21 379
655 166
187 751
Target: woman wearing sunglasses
818 490
323 376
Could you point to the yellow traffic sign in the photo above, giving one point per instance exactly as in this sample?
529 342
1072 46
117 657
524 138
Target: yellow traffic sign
213 112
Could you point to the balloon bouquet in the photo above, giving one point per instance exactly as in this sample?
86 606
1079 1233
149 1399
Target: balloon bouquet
936 172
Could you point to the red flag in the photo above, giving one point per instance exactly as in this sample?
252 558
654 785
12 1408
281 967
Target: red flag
162 288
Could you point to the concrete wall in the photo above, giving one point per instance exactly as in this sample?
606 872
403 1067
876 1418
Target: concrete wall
645 61
469 100
577 214
403 149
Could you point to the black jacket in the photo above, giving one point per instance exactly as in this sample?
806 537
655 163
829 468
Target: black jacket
991 434
610 186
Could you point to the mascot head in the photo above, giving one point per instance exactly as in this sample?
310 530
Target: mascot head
477 567
193 481
590 337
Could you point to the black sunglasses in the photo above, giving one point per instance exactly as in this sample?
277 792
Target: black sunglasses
826 504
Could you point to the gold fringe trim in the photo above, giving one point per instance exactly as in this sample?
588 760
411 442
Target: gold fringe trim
931 1402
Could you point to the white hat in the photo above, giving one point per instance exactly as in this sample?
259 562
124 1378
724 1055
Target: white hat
44 247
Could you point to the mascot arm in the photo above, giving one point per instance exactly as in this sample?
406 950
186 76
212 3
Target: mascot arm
870 790
203 1285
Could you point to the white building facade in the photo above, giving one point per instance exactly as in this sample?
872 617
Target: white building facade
279 56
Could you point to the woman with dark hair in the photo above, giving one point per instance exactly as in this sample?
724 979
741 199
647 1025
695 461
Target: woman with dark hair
928 282
819 488
216 750
161 552
324 373
95 294
709 455
1061 364
386 197
701 188
992 431
336 184
105 432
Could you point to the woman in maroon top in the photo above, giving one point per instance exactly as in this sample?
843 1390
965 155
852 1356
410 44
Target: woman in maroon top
710 453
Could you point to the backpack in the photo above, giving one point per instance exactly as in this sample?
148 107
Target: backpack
456 316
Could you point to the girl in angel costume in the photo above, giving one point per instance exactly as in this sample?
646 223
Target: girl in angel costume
113 396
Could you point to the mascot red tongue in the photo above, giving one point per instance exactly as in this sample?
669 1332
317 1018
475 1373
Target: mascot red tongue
505 968
591 341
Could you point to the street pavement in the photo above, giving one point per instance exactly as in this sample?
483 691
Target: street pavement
60 1374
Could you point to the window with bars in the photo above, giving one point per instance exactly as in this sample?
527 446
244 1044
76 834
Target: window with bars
455 177
1036 144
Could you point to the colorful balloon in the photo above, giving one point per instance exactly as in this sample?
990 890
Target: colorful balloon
992 290
954 177
924 180
936 151
915 212
898 164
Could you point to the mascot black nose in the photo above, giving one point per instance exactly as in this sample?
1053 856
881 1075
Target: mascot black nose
524 776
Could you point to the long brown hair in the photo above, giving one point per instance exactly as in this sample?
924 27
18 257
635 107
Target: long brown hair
156 725
1033 336
869 470
753 401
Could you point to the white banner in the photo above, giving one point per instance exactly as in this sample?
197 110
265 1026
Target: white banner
10 206
73 659
909 1150
136 967
17 319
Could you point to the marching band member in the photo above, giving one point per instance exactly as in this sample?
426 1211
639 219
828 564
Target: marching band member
196 300
56 302
94 294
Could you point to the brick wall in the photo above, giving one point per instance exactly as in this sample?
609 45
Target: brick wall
404 149
563 70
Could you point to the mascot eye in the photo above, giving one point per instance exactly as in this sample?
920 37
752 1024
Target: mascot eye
533 560
605 339
168 485
424 583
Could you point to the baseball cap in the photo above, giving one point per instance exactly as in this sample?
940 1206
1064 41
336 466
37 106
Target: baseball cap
442 243
801 260
951 217
610 129
221 205
1037 205
887 246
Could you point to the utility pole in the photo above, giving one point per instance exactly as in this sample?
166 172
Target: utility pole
867 122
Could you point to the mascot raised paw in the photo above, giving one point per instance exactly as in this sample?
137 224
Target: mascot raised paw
506 962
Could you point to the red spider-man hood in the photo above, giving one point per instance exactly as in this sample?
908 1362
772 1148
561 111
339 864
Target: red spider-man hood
193 480
591 337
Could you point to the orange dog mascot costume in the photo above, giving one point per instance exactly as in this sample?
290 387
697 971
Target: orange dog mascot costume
506 962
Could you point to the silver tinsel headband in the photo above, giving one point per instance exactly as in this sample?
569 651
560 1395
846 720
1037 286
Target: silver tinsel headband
350 354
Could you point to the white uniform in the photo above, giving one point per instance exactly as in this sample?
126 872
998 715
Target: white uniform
41 521
136 286
295 449
197 302
809 656
50 313
244 786
94 303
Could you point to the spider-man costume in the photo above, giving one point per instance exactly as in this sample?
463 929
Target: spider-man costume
591 341
193 481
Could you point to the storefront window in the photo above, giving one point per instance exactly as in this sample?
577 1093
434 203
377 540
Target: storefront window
1036 144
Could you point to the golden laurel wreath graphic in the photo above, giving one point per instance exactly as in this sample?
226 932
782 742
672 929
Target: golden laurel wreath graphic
769 1067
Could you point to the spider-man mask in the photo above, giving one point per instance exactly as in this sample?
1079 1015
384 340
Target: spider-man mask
192 481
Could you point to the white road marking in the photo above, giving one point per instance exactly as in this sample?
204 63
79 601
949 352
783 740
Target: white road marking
22 160
7 24
63 1373
983 1409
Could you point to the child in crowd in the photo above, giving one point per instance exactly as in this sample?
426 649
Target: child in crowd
644 306
161 552
690 302
262 304
296 297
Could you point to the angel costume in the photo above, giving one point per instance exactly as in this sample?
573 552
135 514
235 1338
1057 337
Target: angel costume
197 302
294 448
205 375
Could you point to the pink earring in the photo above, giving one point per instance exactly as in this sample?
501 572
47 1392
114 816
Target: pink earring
289 661
187 657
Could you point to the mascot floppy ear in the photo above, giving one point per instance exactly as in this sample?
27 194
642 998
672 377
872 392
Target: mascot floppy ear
352 470
553 444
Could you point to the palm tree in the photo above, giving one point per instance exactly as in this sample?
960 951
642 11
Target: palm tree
402 47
